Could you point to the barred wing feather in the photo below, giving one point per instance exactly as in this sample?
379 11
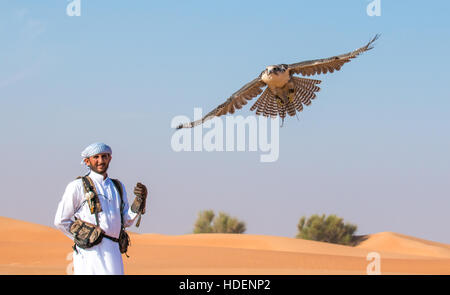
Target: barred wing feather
235 101
325 65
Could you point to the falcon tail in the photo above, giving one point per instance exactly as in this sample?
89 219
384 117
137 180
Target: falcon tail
269 105
304 92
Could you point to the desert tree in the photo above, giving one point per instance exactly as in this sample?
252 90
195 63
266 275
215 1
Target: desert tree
203 222
330 229
208 222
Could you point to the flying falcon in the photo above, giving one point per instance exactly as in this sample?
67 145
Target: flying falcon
285 93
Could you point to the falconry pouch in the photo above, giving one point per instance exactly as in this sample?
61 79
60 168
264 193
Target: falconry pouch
85 234
124 242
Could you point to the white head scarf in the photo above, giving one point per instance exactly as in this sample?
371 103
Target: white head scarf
94 149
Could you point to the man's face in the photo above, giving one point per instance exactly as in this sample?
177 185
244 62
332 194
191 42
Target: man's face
99 163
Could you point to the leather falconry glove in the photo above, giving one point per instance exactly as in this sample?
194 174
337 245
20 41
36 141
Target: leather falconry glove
138 205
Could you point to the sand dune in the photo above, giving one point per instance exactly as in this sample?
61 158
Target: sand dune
35 249
398 243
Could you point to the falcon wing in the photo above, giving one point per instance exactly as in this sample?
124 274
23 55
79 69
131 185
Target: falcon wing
236 101
319 66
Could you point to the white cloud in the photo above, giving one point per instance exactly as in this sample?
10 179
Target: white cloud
28 26
33 28
15 78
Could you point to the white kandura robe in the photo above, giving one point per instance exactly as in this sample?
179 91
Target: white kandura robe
104 258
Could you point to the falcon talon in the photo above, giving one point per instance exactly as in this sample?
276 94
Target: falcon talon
280 102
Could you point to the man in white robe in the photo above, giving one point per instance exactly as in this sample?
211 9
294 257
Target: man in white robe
104 258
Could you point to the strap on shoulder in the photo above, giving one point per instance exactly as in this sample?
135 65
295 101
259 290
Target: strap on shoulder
118 186
95 205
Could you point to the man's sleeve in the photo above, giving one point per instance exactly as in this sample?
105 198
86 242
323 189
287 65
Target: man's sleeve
67 207
128 216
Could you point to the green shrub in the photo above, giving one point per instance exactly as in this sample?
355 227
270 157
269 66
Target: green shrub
207 222
203 222
329 229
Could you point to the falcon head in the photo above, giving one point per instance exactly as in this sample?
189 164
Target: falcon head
276 69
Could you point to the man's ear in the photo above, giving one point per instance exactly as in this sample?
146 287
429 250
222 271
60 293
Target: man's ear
86 161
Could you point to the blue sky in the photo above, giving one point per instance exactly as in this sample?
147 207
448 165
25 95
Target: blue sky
372 148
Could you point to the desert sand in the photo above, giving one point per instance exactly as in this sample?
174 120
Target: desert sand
28 248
